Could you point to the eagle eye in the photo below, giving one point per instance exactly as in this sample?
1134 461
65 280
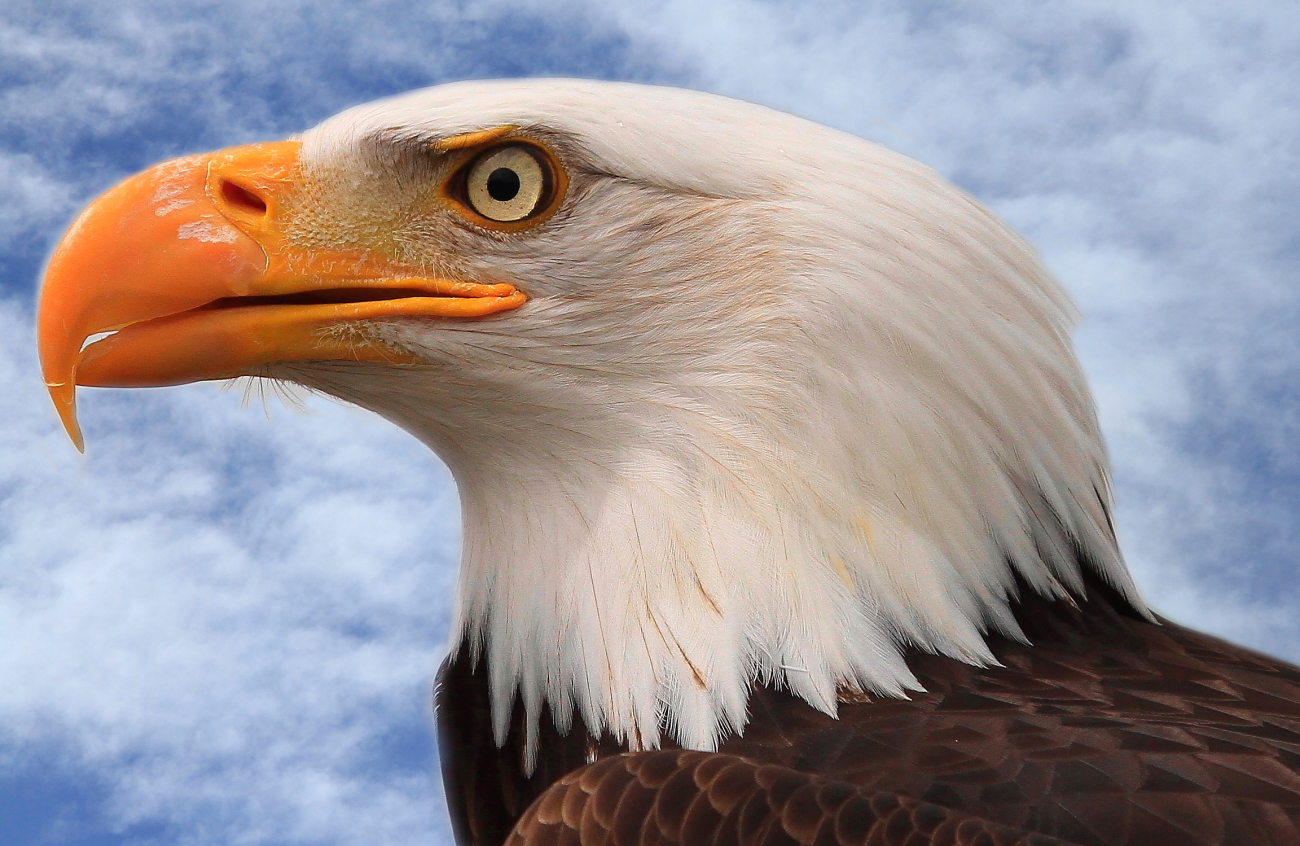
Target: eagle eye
509 183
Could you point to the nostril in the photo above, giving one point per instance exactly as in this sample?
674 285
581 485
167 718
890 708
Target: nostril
240 197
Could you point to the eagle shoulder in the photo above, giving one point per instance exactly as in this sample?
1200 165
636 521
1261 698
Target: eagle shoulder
1107 731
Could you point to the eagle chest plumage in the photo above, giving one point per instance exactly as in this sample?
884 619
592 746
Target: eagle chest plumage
1109 731
775 460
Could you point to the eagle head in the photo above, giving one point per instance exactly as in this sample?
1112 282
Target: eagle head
729 397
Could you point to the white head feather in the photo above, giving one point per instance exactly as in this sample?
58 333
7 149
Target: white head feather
782 404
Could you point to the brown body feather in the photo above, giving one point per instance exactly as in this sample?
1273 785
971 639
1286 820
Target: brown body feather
1107 731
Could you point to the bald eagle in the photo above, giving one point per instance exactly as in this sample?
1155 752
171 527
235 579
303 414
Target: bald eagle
786 513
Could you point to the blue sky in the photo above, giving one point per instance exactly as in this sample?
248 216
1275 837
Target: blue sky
219 628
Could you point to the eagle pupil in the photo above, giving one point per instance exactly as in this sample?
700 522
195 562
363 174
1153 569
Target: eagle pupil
503 184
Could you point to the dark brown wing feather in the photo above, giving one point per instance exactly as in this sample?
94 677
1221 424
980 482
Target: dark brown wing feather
1108 731
698 798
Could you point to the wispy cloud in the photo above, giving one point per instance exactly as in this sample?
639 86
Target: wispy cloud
236 630
219 629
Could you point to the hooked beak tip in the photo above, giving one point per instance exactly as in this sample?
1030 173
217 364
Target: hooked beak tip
64 395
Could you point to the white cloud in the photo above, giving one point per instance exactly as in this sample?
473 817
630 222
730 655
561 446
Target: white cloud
36 201
243 614
223 619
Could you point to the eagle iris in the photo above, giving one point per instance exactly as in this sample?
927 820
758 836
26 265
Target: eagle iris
506 183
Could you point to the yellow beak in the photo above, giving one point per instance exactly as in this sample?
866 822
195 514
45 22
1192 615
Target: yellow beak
188 265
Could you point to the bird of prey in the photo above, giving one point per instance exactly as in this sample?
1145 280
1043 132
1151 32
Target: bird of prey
786 512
